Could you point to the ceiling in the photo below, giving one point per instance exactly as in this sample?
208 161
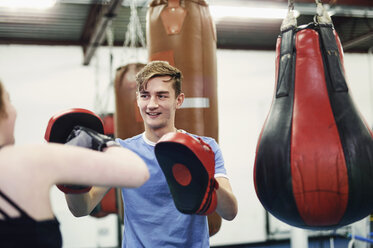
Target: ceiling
85 22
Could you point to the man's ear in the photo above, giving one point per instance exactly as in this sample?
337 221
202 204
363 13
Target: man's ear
179 100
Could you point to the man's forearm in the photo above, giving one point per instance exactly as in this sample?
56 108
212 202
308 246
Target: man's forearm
83 204
227 202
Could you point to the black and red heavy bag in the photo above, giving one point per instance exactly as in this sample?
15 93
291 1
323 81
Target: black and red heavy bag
314 158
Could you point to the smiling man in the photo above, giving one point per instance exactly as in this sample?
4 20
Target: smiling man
158 101
150 216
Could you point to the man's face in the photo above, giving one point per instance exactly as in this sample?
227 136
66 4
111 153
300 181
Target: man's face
158 103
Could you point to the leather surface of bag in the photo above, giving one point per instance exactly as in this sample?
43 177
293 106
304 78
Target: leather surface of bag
128 121
314 158
183 33
108 205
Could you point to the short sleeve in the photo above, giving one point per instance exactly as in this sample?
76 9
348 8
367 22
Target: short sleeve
220 170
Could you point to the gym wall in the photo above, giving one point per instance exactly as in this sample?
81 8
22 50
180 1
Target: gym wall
43 80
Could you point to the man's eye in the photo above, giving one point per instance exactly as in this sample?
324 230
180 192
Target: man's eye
143 96
162 96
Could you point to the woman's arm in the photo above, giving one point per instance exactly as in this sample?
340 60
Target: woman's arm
41 166
115 167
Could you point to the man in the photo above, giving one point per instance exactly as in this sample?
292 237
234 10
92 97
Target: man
150 216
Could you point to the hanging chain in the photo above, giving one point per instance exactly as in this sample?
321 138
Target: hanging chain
102 97
290 5
110 41
322 15
97 100
290 21
134 33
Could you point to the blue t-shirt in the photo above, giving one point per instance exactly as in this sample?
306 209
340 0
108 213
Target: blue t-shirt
150 216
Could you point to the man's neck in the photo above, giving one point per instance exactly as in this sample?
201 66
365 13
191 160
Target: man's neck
155 135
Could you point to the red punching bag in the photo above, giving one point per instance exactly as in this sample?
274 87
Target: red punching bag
314 158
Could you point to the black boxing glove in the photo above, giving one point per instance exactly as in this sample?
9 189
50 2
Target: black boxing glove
88 138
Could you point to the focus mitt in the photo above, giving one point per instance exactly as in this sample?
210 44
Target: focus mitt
61 125
61 129
188 164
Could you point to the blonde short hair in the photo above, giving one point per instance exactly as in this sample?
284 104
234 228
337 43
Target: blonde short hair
158 69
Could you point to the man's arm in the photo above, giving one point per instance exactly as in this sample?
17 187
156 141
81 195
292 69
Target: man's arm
227 203
83 204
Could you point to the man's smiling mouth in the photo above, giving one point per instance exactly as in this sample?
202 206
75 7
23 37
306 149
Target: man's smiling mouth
153 114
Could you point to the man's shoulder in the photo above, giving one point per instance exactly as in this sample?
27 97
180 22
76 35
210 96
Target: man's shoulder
209 140
206 139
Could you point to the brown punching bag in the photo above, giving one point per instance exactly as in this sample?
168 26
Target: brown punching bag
128 121
182 32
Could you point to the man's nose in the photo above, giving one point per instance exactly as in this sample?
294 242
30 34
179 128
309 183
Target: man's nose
153 103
